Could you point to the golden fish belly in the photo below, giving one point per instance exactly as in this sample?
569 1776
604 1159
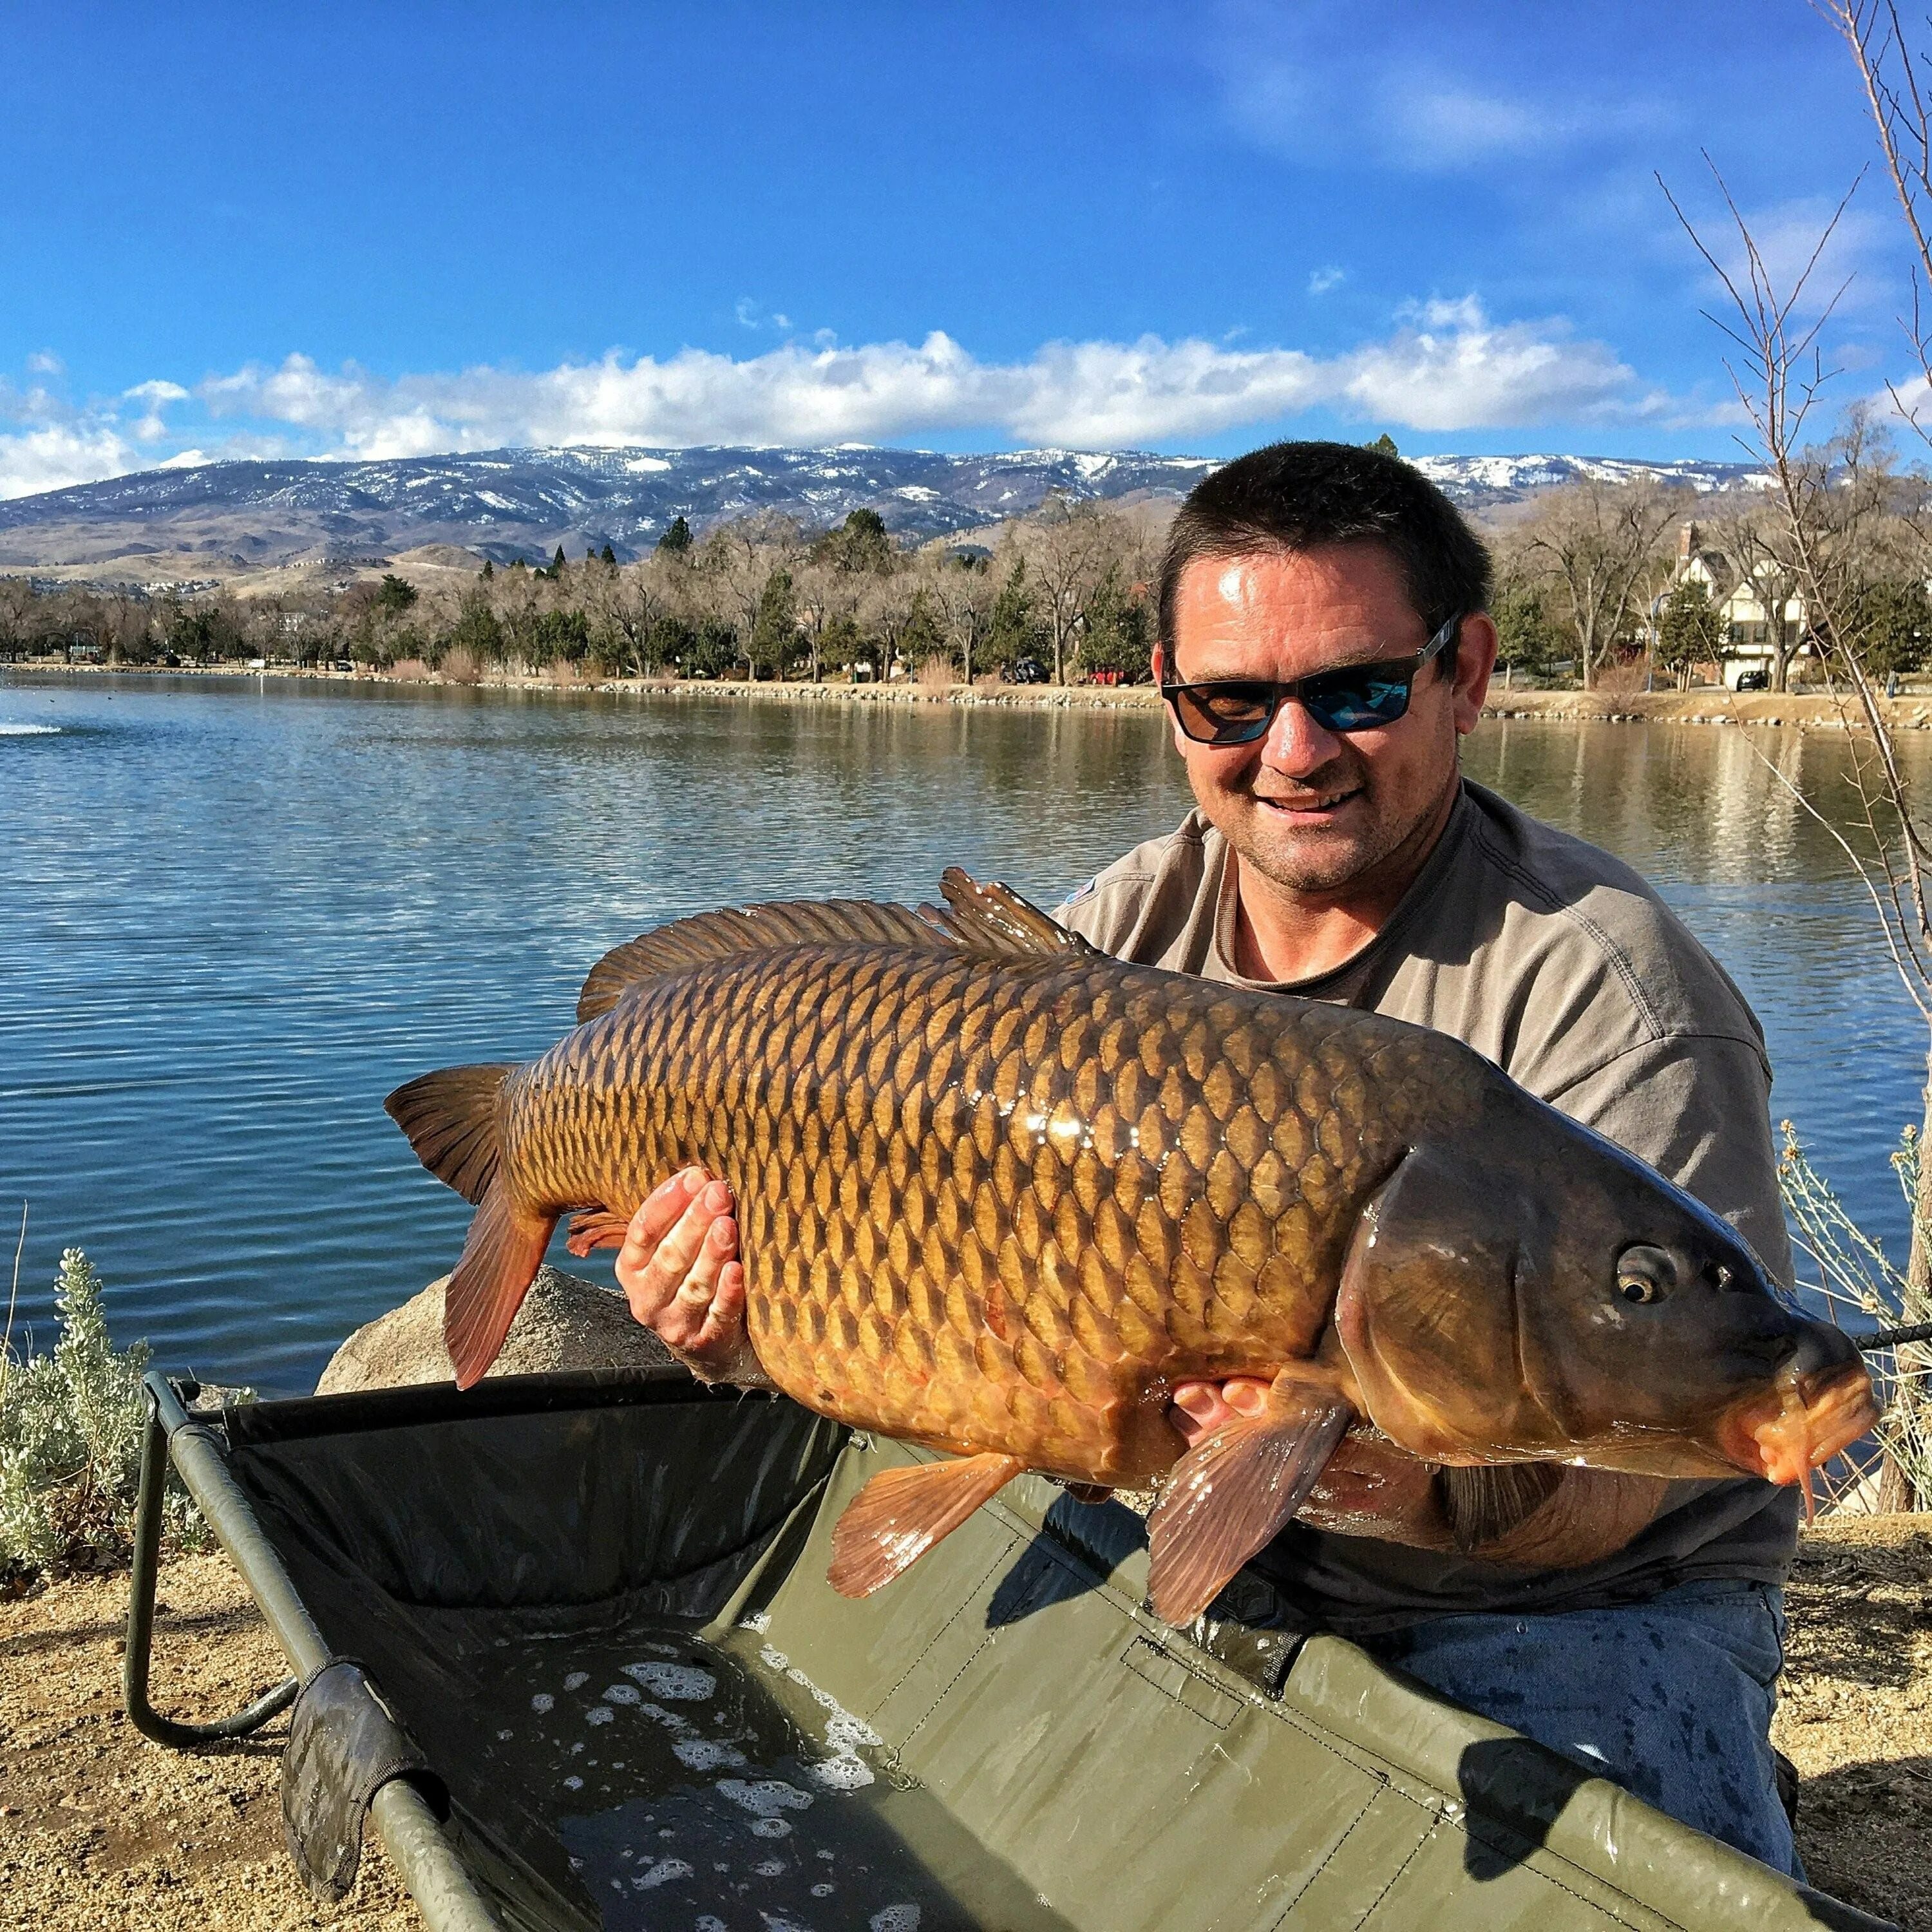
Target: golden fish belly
993 1204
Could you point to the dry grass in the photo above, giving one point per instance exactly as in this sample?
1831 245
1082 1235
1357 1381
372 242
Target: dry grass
411 669
460 665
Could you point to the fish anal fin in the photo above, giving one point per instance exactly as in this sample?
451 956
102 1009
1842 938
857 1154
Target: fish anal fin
1488 1501
452 1120
596 1227
499 1260
901 1513
1234 1490
989 916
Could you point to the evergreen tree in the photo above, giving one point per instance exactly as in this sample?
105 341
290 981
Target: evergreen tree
923 636
1385 445
1118 635
488 571
775 631
607 557
862 543
1527 639
557 564
677 540
1013 632
1689 631
1891 628
396 595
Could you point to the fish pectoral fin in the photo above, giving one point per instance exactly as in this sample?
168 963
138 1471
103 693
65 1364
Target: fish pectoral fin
1490 1500
901 1513
596 1227
1232 1492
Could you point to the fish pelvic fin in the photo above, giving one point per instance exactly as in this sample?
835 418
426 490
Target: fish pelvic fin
500 1259
1232 1492
1483 1503
901 1513
451 1119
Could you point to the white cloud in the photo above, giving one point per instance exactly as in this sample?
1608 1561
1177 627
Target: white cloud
1448 366
152 426
44 362
57 454
1321 281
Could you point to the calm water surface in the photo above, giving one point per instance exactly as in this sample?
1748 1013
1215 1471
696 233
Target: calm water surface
233 916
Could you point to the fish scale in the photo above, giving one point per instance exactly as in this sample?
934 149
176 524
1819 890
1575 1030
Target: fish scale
988 1202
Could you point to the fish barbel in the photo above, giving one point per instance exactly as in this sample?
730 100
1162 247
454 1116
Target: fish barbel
997 1193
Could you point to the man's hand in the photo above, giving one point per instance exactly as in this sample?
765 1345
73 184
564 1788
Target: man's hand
679 1271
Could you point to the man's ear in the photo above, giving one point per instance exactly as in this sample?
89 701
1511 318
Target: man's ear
1173 724
1475 661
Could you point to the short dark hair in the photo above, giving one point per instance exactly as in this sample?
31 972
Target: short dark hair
1299 496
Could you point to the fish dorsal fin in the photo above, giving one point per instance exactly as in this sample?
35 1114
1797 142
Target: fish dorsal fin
993 918
977 919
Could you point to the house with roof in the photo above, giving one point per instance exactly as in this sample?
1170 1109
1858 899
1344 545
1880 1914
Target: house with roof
1748 602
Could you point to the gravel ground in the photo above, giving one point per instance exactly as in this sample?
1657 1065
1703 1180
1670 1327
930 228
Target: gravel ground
99 1828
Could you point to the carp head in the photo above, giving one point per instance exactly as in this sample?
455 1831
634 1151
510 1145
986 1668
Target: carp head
1536 1294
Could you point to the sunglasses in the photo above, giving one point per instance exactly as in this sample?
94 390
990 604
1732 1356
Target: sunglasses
1351 698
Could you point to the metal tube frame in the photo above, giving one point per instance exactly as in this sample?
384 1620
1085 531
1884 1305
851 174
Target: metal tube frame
410 1830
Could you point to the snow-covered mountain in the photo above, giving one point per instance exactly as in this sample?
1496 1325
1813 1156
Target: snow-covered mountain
224 519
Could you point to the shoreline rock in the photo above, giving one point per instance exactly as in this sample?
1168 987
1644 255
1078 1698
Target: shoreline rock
566 1322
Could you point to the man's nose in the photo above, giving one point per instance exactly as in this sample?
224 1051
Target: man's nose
1296 745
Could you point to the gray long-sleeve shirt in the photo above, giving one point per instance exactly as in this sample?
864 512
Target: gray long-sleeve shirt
1559 963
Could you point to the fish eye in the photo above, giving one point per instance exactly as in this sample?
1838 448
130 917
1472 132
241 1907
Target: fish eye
1644 1274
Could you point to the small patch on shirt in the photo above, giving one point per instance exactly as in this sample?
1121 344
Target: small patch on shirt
1079 893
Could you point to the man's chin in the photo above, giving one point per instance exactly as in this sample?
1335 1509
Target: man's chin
1306 854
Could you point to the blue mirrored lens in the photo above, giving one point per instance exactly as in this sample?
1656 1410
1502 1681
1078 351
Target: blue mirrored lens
1359 705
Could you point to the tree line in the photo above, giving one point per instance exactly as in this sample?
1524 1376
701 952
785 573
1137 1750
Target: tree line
1068 586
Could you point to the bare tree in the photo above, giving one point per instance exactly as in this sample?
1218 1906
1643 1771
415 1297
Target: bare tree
1830 501
1597 542
963 590
1068 548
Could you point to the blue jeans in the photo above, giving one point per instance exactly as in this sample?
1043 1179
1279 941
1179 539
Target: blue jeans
1671 1698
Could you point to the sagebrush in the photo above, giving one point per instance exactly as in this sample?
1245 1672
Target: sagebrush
1852 1273
70 1428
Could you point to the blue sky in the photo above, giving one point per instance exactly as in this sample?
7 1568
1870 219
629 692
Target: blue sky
351 230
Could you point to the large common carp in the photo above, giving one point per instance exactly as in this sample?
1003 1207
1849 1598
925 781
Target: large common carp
997 1193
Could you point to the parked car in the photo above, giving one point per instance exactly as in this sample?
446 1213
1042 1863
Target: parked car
1026 671
1754 680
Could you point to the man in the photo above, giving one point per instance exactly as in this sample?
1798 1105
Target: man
1324 645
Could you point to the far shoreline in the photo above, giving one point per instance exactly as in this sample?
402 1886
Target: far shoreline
1711 705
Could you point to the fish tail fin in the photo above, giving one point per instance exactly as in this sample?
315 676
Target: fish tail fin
499 1260
901 1513
1232 1492
453 1120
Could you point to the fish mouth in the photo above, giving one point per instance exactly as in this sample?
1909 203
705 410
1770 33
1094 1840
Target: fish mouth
1800 1423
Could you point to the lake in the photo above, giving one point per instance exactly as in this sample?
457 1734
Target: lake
234 913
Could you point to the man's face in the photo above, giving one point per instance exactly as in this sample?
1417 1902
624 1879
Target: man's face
1315 811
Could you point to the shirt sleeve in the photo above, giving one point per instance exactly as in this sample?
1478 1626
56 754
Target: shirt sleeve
1698 1109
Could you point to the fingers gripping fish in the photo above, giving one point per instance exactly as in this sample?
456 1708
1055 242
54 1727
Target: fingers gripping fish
998 1193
